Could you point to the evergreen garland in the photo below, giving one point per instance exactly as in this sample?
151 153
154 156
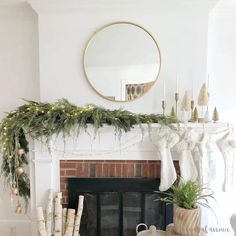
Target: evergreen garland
42 120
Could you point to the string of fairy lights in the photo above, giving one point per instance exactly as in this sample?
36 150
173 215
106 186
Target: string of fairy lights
43 120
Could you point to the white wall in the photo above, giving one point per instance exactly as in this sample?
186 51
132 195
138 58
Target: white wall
221 59
179 28
18 79
222 69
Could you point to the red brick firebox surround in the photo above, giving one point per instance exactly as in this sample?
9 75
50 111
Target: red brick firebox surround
107 168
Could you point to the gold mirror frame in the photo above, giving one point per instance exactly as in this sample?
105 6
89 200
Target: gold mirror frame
91 39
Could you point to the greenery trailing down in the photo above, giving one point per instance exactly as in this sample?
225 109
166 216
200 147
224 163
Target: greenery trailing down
187 195
42 120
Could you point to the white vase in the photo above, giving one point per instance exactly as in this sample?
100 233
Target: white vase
187 222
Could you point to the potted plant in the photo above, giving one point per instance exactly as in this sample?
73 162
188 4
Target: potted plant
187 198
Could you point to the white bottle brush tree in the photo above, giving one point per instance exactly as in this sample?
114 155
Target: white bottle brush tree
203 99
185 107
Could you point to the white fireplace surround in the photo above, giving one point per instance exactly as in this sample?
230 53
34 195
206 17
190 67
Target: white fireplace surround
133 145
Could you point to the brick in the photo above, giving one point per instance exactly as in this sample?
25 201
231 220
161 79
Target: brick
71 173
65 200
99 170
145 170
105 170
65 193
63 180
118 170
176 164
138 170
92 170
124 170
151 170
82 170
85 169
130 170
156 171
68 165
79 168
112 170
62 186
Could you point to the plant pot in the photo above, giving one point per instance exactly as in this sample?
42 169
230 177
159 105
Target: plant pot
187 222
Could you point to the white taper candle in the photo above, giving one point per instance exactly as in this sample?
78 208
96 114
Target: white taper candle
192 88
164 90
177 84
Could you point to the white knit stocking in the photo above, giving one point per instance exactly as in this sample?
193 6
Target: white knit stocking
226 146
203 163
168 172
188 168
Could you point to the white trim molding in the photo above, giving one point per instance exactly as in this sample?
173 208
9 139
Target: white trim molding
62 6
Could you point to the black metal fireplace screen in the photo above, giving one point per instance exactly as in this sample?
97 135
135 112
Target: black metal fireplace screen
114 206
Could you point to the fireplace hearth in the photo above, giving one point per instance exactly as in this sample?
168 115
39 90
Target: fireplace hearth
114 206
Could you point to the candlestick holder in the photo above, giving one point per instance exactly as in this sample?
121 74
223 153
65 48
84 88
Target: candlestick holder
163 105
176 103
192 111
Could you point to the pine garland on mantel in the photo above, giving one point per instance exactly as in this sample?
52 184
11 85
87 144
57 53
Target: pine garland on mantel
42 120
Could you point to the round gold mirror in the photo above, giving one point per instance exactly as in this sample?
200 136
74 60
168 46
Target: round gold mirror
122 61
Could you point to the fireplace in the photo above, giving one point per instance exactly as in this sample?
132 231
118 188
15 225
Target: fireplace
134 156
114 206
119 194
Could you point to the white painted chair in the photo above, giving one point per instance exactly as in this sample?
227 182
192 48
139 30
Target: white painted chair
233 223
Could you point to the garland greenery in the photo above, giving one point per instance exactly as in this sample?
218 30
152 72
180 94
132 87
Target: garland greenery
42 120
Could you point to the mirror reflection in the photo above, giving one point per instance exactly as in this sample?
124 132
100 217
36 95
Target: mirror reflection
122 61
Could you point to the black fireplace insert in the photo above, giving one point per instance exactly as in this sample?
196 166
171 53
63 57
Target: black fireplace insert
114 206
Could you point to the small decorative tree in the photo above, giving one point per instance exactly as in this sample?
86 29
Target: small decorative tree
195 115
186 104
215 116
185 107
203 99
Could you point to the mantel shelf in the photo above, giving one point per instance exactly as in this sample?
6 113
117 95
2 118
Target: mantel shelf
106 145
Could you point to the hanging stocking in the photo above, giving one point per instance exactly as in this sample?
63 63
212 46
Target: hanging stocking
216 175
188 168
226 146
168 172
203 165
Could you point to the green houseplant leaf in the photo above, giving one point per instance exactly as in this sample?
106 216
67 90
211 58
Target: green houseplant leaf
187 195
